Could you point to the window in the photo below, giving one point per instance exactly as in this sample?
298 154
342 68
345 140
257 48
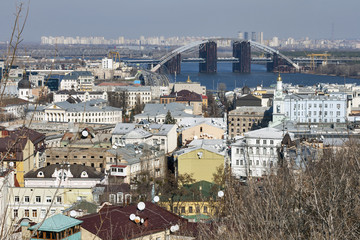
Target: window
17 199
16 213
271 141
237 150
112 198
237 162
58 199
241 162
257 162
26 213
338 106
190 209
201 129
257 141
182 209
37 199
48 199
264 163
175 209
119 197
34 213
197 209
43 213
26 199
264 141
205 209
250 162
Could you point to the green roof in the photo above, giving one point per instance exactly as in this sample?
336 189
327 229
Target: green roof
56 223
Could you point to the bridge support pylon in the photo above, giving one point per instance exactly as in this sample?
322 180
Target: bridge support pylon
242 51
172 66
208 51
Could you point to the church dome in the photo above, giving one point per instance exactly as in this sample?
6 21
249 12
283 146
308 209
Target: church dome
24 83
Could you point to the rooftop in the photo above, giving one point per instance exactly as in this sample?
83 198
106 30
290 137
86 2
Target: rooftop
56 223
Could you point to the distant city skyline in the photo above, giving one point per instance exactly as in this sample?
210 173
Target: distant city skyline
318 19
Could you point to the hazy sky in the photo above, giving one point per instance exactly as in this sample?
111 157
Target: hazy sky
133 18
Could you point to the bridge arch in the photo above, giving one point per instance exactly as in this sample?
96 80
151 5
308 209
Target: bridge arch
257 45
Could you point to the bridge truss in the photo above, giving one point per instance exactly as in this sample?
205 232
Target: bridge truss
257 45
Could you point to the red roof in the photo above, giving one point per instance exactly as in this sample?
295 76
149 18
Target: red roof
112 84
123 166
204 97
113 222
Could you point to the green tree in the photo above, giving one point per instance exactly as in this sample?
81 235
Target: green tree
169 119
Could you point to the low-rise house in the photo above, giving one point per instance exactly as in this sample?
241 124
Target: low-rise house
196 202
12 108
201 128
116 194
201 158
87 138
152 222
256 154
57 227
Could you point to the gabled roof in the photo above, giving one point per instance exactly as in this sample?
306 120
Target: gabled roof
56 223
137 133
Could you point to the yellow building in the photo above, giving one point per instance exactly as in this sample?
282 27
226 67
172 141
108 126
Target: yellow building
201 159
196 202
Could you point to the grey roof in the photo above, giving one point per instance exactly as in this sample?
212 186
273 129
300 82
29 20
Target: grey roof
191 122
163 129
133 89
332 96
76 74
137 133
249 110
268 133
89 106
213 145
123 128
176 109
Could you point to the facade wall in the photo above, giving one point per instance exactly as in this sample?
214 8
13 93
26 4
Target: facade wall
316 110
40 200
256 158
202 168
202 131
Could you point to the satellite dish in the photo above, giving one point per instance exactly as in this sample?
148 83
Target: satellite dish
142 221
11 164
78 198
85 133
156 199
220 194
132 217
73 213
137 219
177 227
141 206
173 229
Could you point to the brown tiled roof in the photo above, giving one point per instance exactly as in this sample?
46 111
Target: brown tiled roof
113 222
75 169
34 136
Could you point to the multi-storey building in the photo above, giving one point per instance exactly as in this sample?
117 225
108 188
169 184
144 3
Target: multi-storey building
316 108
78 81
63 95
244 119
93 111
256 154
134 95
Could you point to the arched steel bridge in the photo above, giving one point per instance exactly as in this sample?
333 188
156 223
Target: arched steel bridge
257 45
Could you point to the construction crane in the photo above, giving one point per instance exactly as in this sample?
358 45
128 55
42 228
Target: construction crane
322 55
114 55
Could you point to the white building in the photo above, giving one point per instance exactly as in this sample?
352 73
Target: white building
78 81
63 95
316 108
255 154
93 111
107 63
135 94
163 136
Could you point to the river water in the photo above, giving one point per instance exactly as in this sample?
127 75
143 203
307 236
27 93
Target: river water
257 76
